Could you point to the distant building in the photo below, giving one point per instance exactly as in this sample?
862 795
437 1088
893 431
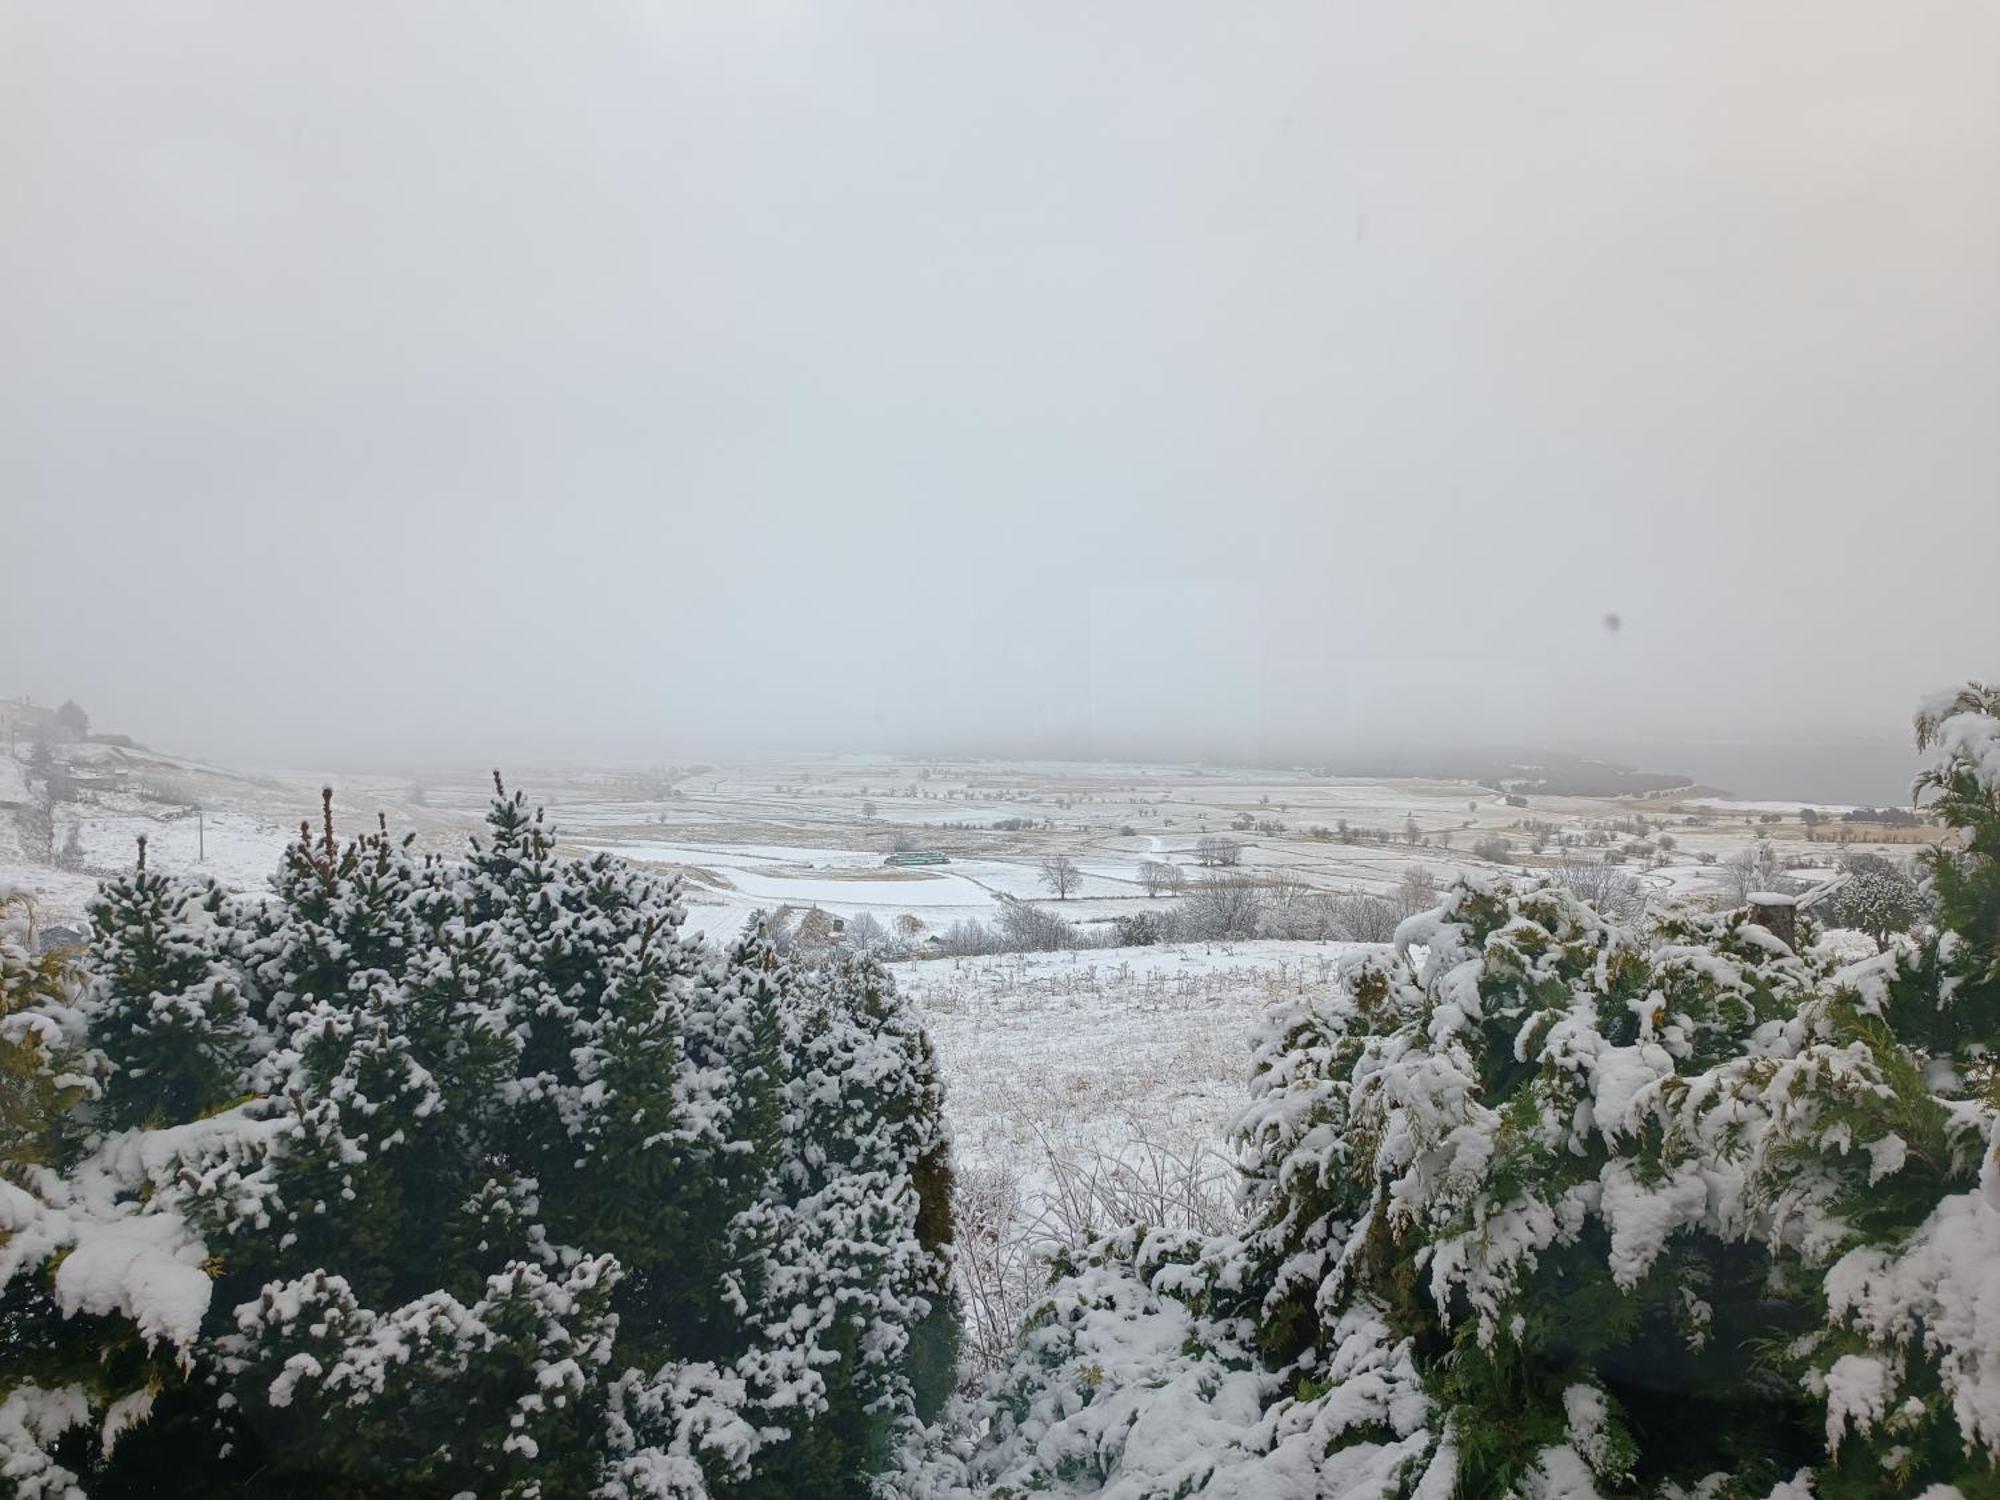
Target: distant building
917 857
22 720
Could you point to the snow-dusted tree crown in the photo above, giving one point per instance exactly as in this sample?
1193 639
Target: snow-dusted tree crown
1549 1205
431 1178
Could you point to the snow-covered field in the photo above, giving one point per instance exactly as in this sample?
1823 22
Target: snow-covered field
816 832
1051 1051
1087 1089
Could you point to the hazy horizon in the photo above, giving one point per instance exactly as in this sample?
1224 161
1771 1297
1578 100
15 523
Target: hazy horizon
634 381
1858 769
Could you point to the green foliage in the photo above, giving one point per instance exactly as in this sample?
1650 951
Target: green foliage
40 1078
1962 968
1877 898
424 1178
166 1010
1546 1202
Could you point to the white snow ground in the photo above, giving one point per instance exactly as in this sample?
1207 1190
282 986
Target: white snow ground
1101 1049
816 832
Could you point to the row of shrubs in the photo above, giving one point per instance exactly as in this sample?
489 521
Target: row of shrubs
1222 907
1231 906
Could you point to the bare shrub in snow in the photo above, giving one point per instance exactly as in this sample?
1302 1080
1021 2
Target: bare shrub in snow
968 938
1754 869
1011 1224
866 934
1221 907
1606 887
36 821
1145 1181
1362 917
1417 891
166 788
1214 852
1024 927
997 1269
1294 910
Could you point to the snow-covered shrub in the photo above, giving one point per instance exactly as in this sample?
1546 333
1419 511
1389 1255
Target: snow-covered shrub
1008 1227
999 1270
428 1178
41 1032
1603 885
1876 898
1545 1202
1024 927
1218 908
968 937
866 934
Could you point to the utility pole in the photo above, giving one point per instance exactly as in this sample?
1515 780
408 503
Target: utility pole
200 837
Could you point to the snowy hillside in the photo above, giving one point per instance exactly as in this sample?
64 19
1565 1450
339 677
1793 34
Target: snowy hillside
816 833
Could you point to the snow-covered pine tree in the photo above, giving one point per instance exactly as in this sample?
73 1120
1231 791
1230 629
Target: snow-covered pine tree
340 913
742 1037
515 863
167 1009
859 1257
602 986
1948 993
523 1207
95 1291
497 1103
1546 1203
496 1394
738 1044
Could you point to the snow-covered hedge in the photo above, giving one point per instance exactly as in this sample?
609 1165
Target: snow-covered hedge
1544 1204
430 1178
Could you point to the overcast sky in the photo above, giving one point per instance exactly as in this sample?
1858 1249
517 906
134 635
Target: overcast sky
646 379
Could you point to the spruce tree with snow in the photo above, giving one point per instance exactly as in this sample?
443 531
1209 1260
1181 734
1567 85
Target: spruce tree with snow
73 1373
341 913
1547 1204
741 1042
1947 994
166 1011
531 1196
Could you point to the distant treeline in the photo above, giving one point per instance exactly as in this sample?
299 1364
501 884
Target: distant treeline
1548 773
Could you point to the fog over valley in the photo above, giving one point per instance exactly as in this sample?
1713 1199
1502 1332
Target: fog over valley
755 750
1262 388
